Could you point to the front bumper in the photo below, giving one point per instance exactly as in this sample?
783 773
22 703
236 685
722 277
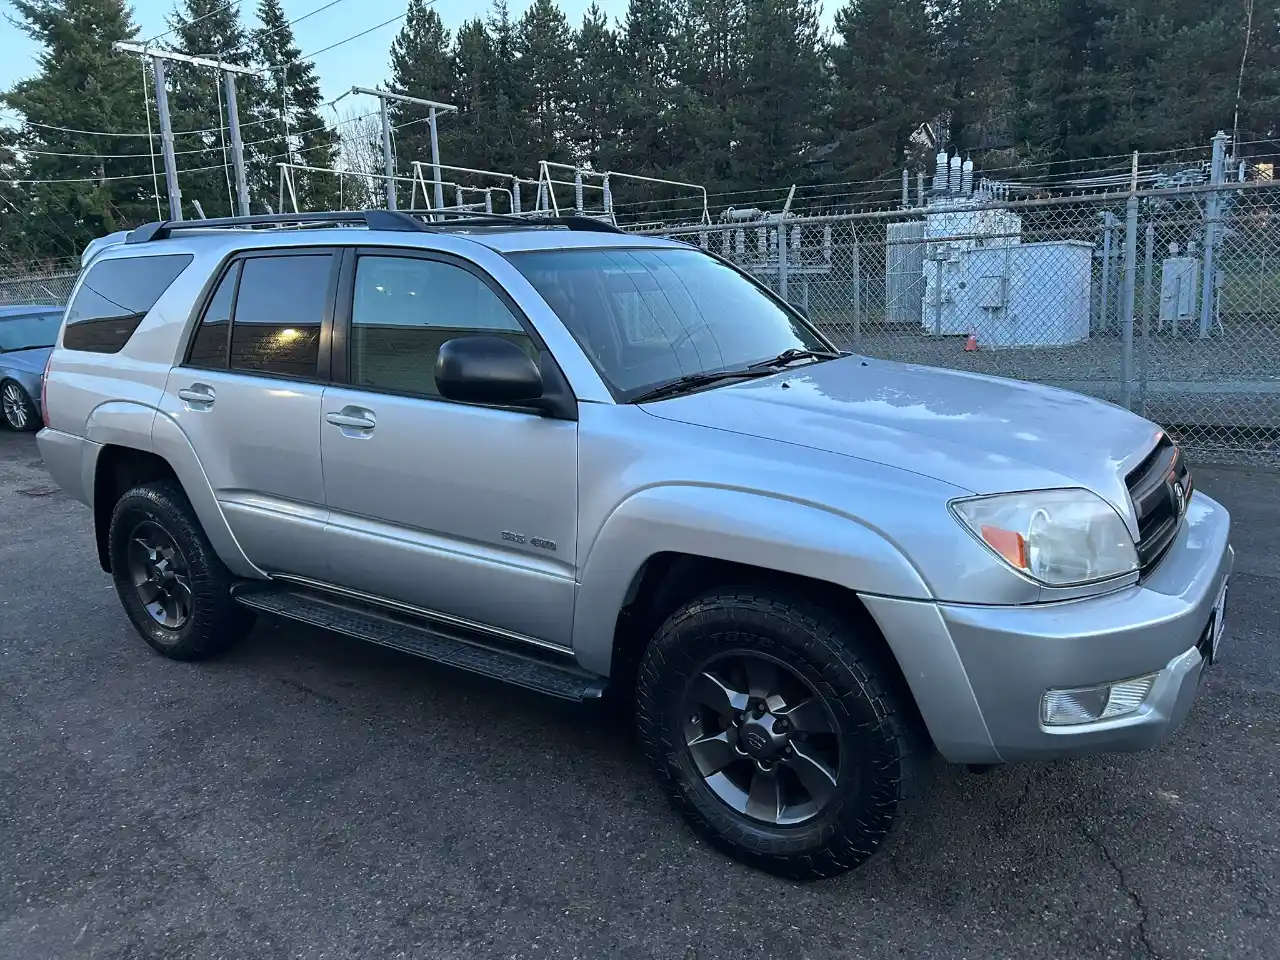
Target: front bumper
978 672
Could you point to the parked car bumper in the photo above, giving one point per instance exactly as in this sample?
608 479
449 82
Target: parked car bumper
981 674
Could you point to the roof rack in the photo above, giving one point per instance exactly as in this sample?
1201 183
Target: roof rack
404 221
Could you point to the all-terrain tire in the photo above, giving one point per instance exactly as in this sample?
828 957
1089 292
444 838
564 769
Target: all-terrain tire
883 749
215 621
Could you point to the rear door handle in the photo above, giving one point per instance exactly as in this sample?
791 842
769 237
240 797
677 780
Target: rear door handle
354 421
198 396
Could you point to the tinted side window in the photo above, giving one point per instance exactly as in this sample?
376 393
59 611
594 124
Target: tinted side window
115 296
278 312
209 348
404 309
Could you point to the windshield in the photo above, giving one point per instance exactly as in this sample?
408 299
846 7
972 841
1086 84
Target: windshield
648 317
28 331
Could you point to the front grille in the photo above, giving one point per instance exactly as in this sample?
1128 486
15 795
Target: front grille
1153 488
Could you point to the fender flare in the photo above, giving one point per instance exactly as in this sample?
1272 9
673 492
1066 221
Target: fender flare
743 526
170 443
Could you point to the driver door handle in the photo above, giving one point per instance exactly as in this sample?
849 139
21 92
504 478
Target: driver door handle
355 419
198 396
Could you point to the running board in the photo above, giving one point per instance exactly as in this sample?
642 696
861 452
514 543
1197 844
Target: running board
456 646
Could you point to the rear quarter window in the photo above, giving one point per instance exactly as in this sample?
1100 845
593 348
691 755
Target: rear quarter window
114 297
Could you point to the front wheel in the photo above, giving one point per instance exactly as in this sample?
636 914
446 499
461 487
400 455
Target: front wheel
171 583
776 732
19 412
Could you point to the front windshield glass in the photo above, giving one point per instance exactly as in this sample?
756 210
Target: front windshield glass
647 317
28 331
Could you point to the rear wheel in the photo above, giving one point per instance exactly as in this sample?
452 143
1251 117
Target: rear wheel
170 581
19 412
775 730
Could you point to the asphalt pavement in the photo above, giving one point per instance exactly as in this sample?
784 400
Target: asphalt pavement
310 796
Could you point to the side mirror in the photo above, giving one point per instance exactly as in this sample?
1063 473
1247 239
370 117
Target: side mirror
486 369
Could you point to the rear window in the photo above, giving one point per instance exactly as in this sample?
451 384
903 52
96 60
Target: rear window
29 331
114 297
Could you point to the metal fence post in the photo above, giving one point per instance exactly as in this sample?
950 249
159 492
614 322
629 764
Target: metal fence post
1146 318
857 296
1104 306
1212 211
782 258
1126 300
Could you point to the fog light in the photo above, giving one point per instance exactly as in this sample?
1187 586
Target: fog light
1088 704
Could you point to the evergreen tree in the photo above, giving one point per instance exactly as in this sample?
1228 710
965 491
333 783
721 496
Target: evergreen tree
422 66
887 83
597 78
209 28
94 184
545 51
290 126
657 120
512 95
475 64
714 40
778 110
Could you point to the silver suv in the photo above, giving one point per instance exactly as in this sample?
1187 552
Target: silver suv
583 461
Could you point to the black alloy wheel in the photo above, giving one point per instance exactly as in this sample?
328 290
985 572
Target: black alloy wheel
159 573
762 738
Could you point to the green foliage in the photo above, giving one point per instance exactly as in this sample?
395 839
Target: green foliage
289 123
80 85
737 95
209 28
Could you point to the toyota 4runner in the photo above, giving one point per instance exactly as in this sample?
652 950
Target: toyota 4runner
575 459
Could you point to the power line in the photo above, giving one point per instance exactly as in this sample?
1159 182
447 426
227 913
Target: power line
213 12
316 53
269 33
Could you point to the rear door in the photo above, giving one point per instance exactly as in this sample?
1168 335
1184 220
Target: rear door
248 399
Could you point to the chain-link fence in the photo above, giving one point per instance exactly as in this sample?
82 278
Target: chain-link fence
1164 301
50 286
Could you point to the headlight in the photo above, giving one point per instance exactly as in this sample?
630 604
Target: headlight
1058 537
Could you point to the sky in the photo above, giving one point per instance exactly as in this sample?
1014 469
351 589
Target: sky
362 62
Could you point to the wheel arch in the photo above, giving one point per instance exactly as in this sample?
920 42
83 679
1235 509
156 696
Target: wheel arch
120 467
667 544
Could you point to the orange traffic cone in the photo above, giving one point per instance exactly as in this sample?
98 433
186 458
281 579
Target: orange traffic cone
971 343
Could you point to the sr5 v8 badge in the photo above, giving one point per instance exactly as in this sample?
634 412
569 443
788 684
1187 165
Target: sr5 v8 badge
532 541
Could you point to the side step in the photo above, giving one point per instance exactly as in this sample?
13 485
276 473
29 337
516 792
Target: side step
476 652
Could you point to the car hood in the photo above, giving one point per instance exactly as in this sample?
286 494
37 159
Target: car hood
984 434
28 361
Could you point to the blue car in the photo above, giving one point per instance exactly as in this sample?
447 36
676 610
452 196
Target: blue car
27 335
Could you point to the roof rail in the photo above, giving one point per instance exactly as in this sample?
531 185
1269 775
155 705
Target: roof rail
406 221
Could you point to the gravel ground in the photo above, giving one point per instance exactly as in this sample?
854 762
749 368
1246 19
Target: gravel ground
309 796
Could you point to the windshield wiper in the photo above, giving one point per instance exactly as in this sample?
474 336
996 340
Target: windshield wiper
791 355
693 381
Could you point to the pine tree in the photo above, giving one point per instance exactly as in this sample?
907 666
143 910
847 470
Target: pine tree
515 148
887 83
422 66
209 28
544 47
713 37
657 122
777 112
475 64
93 184
291 128
597 79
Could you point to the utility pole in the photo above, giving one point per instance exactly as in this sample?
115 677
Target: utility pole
229 71
434 108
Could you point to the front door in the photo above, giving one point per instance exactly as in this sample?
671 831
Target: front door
248 399
463 510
